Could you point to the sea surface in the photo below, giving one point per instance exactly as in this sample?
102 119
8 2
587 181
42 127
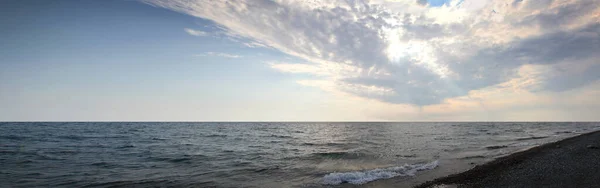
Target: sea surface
104 154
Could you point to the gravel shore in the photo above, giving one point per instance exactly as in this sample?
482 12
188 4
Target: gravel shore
572 162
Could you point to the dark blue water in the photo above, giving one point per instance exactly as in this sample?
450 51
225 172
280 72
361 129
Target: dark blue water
252 154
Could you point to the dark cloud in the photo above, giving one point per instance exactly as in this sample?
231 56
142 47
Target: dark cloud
491 66
554 19
567 81
498 62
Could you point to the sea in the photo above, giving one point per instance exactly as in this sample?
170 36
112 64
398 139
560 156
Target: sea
256 154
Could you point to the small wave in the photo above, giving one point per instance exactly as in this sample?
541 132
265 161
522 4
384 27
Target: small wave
46 156
520 144
266 169
35 174
25 161
323 144
277 136
339 155
257 146
563 132
13 137
173 160
515 130
361 177
132 183
407 156
496 147
474 157
62 152
126 146
182 159
178 160
72 137
443 138
216 135
8 152
102 164
80 137
532 138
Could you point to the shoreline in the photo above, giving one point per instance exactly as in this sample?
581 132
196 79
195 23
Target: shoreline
557 161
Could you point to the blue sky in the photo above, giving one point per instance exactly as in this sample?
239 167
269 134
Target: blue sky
64 58
171 60
437 2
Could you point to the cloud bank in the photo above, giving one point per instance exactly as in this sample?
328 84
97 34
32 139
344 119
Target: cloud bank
408 52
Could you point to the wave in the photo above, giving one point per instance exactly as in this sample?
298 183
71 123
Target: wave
126 146
324 144
474 157
181 159
532 138
261 170
277 136
361 177
496 147
84 137
178 160
71 137
13 137
339 155
407 156
520 144
25 161
216 135
103 164
563 132
132 183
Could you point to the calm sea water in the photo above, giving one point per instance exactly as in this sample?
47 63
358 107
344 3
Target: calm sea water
252 154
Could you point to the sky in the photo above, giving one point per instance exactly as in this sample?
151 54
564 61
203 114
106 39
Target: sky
300 60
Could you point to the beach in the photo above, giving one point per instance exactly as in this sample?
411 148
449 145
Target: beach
572 162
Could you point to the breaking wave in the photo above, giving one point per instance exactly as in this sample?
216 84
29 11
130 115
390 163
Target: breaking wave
361 177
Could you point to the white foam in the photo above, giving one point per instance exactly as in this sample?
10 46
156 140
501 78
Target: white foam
360 177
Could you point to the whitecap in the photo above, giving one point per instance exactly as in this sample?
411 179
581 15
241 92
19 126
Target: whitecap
361 177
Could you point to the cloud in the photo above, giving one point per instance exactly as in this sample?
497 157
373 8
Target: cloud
218 54
197 33
422 2
404 53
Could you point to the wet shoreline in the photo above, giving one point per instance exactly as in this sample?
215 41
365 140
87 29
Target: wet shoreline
571 162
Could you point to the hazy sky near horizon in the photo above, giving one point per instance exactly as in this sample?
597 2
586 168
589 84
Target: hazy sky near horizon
300 60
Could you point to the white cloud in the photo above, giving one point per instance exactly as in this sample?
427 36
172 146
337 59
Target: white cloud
197 33
407 53
219 54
